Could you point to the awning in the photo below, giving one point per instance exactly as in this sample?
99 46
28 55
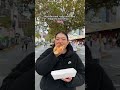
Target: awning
94 27
72 37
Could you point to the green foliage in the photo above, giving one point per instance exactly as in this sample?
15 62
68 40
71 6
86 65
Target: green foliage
37 35
65 8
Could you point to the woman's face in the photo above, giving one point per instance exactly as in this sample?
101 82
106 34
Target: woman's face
61 39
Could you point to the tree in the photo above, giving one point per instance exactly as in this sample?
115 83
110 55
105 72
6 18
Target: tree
74 9
37 35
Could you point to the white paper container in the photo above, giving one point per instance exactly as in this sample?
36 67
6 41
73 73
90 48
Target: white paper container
63 73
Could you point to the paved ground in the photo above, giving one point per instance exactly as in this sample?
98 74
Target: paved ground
111 65
41 49
10 57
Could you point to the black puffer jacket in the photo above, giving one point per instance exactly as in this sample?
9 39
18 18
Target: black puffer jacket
48 62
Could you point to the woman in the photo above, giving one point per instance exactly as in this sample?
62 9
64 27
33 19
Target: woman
54 59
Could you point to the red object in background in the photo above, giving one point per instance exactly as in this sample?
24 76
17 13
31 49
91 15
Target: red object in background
60 21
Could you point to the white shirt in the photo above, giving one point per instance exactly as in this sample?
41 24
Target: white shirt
74 45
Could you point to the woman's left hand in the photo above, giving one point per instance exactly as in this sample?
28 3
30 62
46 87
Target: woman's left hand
69 79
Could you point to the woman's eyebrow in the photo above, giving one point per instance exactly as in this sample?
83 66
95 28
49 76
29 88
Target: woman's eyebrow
61 37
57 37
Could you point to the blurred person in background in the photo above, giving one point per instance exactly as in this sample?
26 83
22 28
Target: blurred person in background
95 48
74 45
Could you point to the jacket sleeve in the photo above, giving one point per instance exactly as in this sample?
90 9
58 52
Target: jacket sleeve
45 62
79 79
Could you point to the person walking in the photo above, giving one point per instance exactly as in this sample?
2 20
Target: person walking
96 48
26 43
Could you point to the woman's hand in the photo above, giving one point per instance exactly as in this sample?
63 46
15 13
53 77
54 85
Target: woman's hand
69 79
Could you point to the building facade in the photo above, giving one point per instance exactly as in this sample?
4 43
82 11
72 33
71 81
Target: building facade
104 19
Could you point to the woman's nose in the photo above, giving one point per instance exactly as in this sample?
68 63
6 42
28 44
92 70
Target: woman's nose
60 41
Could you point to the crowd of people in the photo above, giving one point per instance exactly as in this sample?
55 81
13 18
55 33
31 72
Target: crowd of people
110 42
77 44
101 43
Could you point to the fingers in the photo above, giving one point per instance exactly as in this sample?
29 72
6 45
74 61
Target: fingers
67 79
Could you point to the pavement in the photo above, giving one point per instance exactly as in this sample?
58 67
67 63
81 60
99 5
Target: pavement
10 57
41 49
111 65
